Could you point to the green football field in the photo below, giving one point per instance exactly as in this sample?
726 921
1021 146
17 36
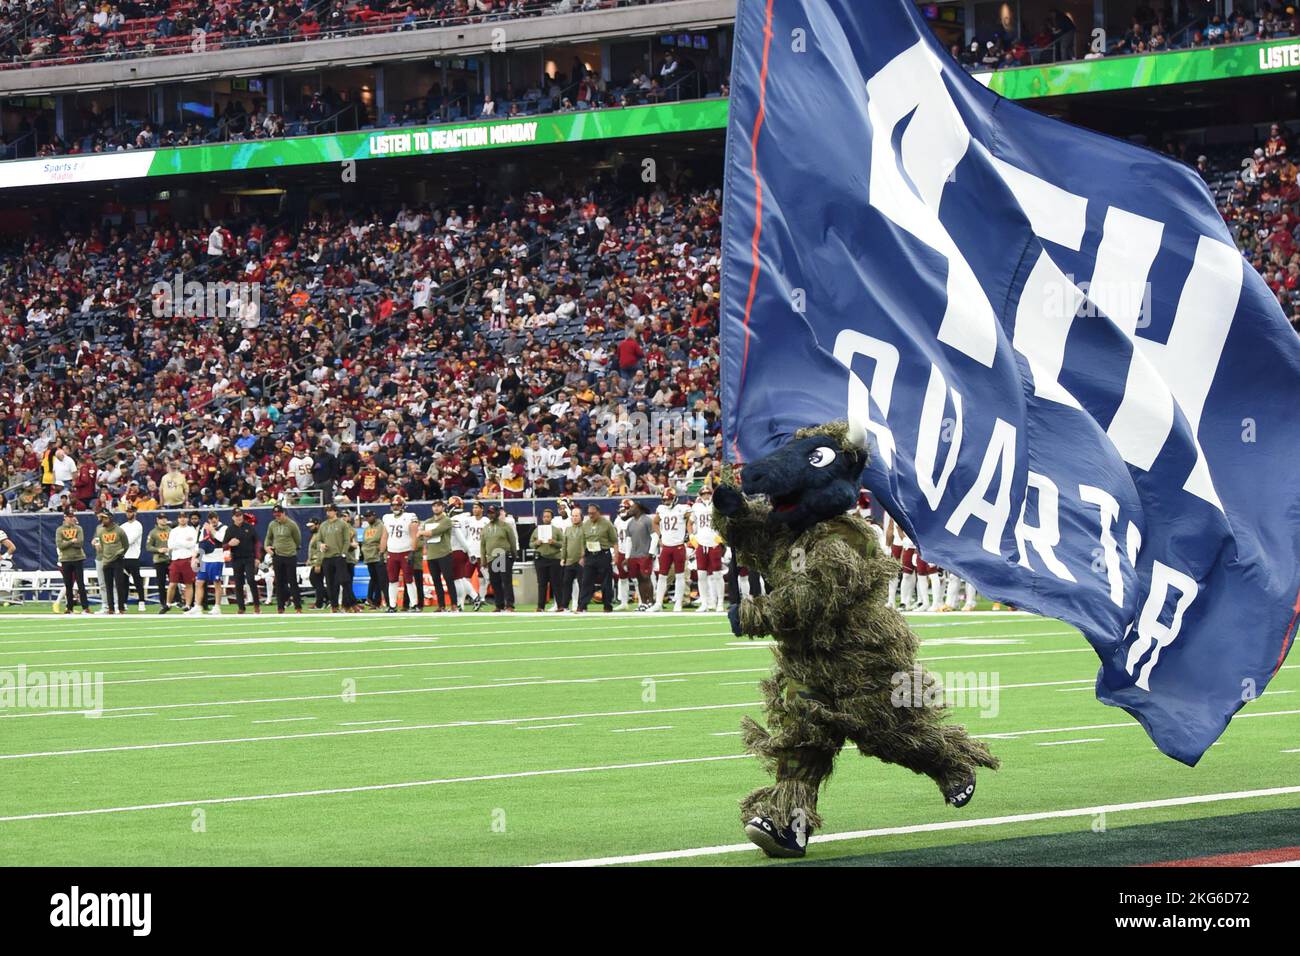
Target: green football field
492 739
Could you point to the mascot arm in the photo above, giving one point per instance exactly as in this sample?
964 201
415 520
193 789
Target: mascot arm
754 621
813 601
742 521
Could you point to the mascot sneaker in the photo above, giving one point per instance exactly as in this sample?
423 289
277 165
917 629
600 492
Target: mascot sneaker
961 795
775 842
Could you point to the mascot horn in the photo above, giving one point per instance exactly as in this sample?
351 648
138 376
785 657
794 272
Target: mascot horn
840 652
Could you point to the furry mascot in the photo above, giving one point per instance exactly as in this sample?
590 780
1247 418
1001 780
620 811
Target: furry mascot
840 651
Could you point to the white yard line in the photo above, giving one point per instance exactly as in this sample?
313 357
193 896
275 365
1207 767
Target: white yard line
671 677
52 665
636 730
1011 735
544 726
206 717
283 720
947 825
119 716
366 723
1063 743
370 788
509 721
500 721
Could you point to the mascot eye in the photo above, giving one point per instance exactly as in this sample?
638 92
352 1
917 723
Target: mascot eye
821 457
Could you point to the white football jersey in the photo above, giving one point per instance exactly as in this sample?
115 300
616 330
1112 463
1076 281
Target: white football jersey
620 529
672 524
399 531
470 531
705 533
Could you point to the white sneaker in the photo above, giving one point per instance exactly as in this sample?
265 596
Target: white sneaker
139 606
195 611
677 609
102 610
703 609
968 606
620 607
215 610
654 608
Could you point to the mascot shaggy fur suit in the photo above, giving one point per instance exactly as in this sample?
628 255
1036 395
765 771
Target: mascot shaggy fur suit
838 648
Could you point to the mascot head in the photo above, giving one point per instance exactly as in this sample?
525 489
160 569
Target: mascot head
814 477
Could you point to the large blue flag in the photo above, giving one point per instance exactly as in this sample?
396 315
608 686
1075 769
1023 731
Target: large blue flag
1078 393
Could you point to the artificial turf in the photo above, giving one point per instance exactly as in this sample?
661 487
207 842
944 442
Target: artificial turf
495 739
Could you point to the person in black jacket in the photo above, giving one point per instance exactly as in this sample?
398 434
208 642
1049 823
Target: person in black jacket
242 541
324 473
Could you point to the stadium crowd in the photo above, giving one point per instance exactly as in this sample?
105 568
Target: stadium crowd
533 346
1259 198
1150 30
39 32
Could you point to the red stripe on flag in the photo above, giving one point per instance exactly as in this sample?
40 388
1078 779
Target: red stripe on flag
758 199
1289 635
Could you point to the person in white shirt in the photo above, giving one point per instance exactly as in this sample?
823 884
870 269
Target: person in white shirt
65 469
216 242
133 530
212 546
299 469
672 523
708 553
182 549
467 539
400 531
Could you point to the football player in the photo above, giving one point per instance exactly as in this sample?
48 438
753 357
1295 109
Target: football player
708 552
672 522
397 541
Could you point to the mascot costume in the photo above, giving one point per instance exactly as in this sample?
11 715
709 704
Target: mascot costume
840 651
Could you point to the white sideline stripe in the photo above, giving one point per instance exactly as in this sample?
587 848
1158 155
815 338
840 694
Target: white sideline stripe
544 726
438 636
1010 735
239 633
497 682
283 720
726 733
206 717
118 716
636 730
369 788
159 620
1280 863
936 827
670 678
499 721
365 723
490 660
1063 743
506 721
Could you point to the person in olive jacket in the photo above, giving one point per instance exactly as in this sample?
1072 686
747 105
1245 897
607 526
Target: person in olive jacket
497 553
372 536
548 546
109 543
598 541
335 540
70 542
156 545
436 535
283 540
571 558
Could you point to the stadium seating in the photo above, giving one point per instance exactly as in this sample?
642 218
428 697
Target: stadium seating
519 339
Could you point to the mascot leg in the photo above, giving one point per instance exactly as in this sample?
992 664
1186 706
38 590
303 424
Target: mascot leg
917 738
799 751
